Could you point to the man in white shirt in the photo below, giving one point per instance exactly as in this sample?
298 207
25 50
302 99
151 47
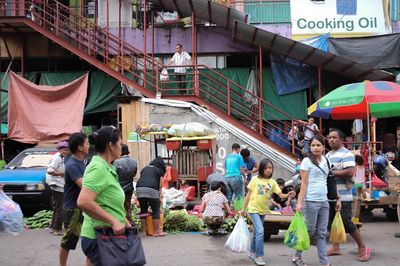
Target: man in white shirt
180 58
310 129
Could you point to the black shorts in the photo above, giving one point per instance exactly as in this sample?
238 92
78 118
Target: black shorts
72 219
346 213
90 249
153 203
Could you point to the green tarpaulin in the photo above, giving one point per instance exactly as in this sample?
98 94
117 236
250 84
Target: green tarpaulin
103 88
4 92
294 104
101 91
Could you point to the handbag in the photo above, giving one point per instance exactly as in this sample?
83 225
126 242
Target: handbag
121 250
330 182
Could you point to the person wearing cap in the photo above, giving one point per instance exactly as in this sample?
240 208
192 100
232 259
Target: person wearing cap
126 169
55 179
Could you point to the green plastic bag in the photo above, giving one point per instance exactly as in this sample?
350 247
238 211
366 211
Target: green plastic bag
297 236
238 203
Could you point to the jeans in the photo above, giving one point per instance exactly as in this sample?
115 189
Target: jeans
234 186
306 147
257 242
316 216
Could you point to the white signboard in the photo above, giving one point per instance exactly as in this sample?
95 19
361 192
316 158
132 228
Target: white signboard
340 18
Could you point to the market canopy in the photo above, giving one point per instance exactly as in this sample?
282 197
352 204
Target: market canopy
359 100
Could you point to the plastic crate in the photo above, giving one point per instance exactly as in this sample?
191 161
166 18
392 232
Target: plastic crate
173 145
204 144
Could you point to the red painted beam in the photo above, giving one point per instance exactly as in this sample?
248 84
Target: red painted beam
78 53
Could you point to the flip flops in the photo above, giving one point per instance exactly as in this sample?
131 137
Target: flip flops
365 255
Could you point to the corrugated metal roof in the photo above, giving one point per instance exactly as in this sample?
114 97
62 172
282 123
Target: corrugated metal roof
275 43
268 12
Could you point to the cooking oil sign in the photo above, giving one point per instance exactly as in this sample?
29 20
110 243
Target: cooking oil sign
341 18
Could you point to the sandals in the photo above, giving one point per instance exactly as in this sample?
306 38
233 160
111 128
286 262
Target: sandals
365 255
298 261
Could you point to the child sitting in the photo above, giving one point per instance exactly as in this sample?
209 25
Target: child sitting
214 206
276 201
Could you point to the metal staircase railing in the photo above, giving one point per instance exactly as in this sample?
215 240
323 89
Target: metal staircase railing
98 43
143 71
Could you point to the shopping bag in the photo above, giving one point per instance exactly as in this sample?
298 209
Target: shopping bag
164 75
239 240
337 234
296 236
11 217
238 203
125 249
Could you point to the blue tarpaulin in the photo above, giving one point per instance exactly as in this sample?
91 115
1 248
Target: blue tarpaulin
290 75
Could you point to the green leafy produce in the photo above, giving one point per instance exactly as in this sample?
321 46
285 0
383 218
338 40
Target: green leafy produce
193 224
135 217
181 221
175 221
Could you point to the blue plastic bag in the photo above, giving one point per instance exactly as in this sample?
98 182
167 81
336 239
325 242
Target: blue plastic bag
11 217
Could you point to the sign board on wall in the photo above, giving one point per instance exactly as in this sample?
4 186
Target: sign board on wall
340 18
134 137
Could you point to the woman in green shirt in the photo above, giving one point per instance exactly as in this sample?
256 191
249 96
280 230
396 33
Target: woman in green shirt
102 198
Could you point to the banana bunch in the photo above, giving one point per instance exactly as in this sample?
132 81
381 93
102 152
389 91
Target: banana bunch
40 219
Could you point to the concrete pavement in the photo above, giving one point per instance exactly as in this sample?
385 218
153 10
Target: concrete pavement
38 247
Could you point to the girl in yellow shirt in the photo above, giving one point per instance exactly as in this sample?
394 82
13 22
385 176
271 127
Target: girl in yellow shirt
257 200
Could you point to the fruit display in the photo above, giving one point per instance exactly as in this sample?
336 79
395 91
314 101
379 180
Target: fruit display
41 219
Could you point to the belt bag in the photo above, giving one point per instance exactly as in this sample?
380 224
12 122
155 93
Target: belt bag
122 250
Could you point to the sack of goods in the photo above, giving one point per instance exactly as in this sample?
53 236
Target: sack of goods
191 129
239 240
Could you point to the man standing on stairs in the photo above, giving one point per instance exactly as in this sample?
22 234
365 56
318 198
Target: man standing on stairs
235 173
180 58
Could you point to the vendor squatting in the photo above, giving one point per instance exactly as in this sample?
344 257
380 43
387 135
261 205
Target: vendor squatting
348 25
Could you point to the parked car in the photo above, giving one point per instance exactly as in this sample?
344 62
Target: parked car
24 178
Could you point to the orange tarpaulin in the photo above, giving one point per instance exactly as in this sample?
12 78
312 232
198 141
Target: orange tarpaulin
44 113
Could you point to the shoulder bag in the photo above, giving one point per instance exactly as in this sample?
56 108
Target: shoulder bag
122 250
330 182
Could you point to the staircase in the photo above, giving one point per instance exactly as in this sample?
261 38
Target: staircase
229 100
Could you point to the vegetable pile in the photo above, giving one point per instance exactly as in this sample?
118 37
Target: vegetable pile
40 219
229 223
135 217
181 221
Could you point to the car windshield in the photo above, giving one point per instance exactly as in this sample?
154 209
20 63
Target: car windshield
36 159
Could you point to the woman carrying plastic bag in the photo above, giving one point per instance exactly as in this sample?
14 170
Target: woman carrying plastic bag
313 200
11 217
239 240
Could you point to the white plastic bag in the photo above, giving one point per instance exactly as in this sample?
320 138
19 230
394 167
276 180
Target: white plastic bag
164 75
239 240
11 217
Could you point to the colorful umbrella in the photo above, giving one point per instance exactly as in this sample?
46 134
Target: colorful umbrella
359 100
